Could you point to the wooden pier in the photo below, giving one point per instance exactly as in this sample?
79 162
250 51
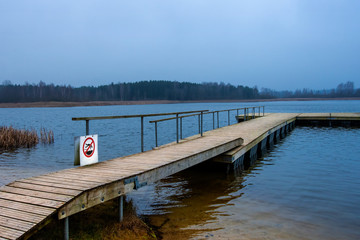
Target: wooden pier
27 205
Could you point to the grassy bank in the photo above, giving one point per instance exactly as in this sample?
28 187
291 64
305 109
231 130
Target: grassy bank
100 223
110 103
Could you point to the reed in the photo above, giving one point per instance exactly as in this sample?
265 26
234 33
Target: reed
11 138
46 136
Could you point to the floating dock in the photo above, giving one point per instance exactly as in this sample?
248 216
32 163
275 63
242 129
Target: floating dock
27 205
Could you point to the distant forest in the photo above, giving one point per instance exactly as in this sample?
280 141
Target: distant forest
157 90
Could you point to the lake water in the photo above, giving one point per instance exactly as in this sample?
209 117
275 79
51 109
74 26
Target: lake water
306 187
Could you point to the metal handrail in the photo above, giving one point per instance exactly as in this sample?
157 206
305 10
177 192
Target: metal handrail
142 116
200 118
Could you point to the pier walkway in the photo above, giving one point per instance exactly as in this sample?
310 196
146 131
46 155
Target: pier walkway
26 205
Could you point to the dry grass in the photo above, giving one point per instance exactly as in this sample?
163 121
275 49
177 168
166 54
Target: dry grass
11 138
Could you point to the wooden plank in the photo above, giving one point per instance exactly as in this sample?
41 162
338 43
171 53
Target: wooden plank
16 224
26 207
9 233
31 200
73 182
58 185
32 193
65 176
93 173
26 216
41 188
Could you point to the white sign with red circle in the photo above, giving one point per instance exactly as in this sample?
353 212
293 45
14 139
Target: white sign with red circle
88 149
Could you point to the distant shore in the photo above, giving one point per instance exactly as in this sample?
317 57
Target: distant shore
145 102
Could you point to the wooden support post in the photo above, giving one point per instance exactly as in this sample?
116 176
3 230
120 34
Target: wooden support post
66 228
218 119
142 133
121 208
244 114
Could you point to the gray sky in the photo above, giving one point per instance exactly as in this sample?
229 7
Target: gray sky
278 44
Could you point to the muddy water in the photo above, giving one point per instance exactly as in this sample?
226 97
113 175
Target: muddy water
306 187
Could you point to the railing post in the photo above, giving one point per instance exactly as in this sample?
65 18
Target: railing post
177 128
213 120
142 133
156 138
228 117
217 113
181 137
199 123
202 122
263 110
66 226
121 208
244 114
237 112
87 127
259 111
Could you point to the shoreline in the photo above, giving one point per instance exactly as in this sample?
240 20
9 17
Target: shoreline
147 102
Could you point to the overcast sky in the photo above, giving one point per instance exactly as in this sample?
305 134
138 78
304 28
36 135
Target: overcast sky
278 44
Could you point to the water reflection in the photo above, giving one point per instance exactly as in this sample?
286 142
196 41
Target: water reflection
304 188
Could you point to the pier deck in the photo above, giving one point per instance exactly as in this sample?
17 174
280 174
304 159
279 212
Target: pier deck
26 205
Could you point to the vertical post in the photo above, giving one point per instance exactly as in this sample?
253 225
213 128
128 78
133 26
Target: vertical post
121 208
253 112
213 120
202 123
87 127
263 110
259 111
237 112
156 138
177 128
228 117
181 137
142 133
218 119
244 114
66 226
199 123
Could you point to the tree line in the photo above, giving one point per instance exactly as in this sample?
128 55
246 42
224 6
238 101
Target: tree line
158 90
143 90
343 90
